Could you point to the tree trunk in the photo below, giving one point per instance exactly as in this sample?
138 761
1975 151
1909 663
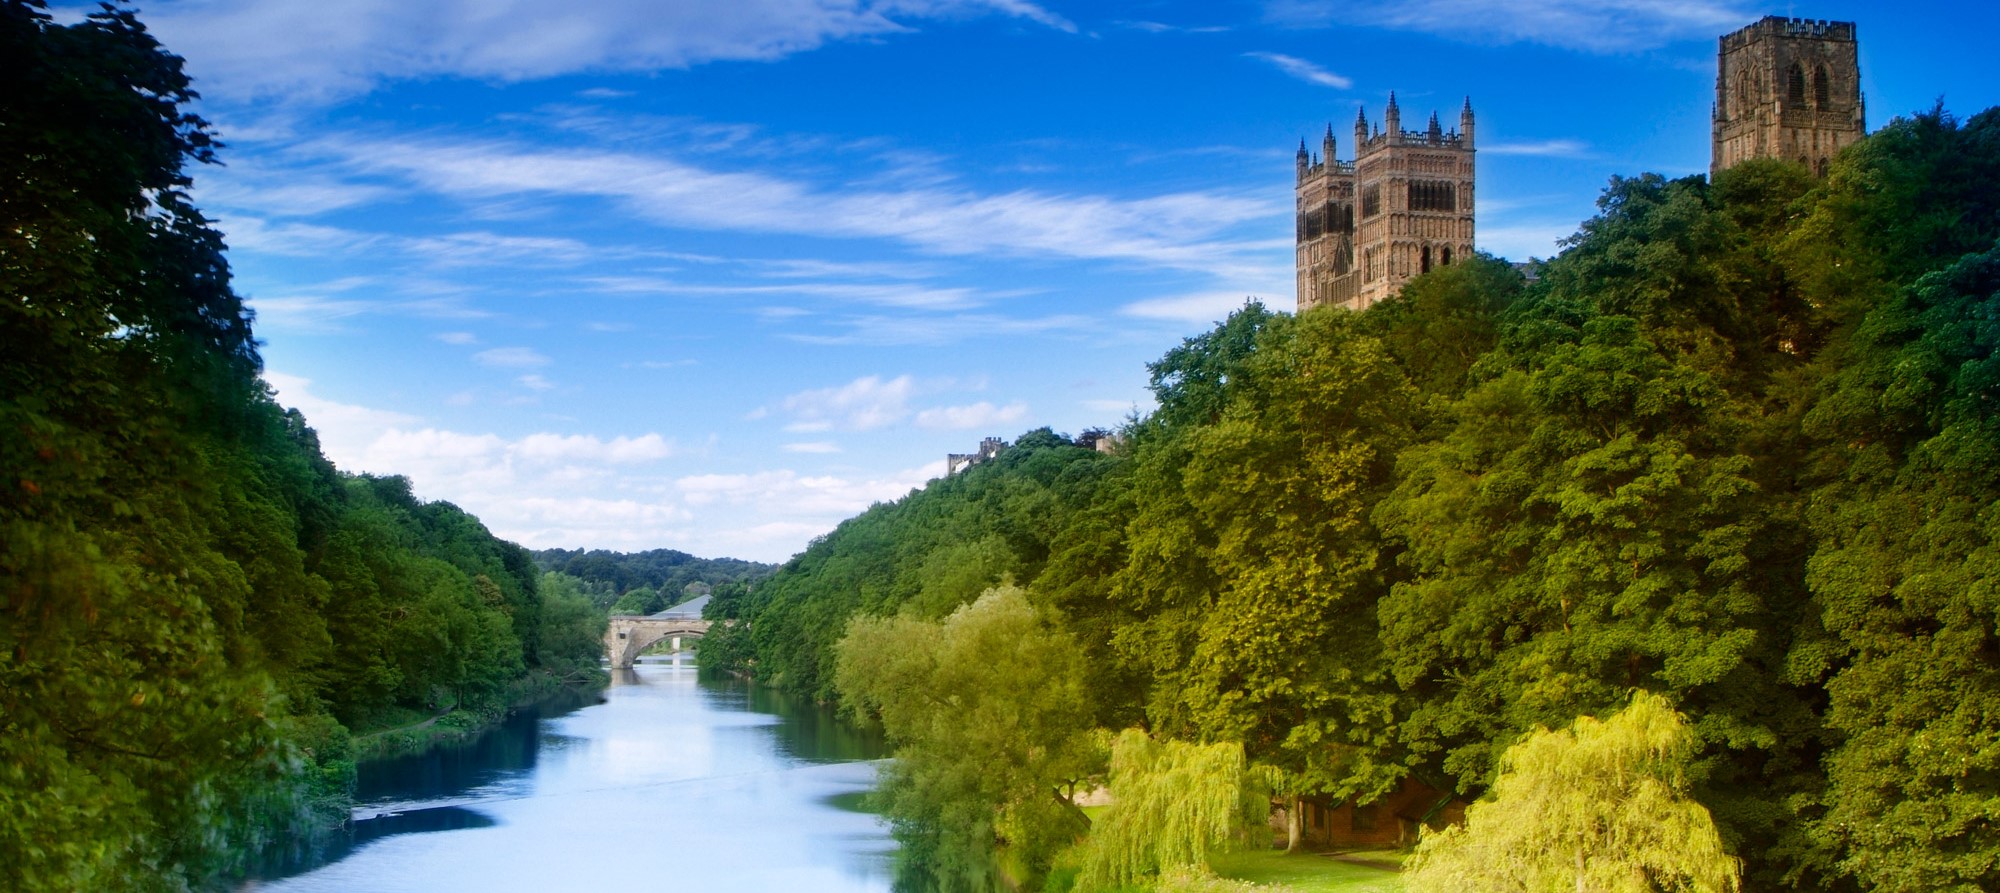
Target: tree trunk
1294 824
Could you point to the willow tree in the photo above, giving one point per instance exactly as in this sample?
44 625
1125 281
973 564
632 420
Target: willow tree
1175 803
990 711
1602 807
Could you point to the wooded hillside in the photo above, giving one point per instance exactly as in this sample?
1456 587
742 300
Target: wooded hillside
1737 446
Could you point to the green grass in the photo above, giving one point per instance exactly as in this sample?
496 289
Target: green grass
1308 873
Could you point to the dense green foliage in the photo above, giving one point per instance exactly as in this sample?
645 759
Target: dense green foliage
1175 803
195 607
664 574
983 706
1600 806
1735 447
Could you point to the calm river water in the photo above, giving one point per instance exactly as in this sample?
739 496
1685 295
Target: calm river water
674 782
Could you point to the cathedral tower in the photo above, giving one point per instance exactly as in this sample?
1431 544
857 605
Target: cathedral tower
1401 207
1787 88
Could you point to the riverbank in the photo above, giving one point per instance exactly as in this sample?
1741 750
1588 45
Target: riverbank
744 790
464 723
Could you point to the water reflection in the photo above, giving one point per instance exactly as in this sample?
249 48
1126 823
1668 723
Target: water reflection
489 764
740 788
304 856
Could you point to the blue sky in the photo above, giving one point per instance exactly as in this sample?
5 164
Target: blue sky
713 276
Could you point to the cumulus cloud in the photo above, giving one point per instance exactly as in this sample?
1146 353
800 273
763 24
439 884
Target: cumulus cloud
344 428
863 404
1599 26
569 489
826 495
872 402
583 448
1303 70
300 52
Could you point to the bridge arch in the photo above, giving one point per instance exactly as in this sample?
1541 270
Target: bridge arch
628 635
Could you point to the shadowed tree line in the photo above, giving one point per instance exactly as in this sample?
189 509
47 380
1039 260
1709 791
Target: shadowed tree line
196 607
643 582
1735 449
659 577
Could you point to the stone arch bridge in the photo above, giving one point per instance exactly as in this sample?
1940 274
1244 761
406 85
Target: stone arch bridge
630 634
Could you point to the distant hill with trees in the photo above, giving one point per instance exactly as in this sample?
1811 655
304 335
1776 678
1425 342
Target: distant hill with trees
644 582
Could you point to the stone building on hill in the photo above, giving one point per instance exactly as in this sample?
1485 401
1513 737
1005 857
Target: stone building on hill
1401 207
1784 88
1787 88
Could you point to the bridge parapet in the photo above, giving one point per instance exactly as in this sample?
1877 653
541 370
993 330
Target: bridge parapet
630 634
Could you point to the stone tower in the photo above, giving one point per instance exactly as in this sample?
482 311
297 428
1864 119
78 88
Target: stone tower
1787 88
1402 206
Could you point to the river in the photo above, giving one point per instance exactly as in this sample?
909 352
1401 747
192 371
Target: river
673 780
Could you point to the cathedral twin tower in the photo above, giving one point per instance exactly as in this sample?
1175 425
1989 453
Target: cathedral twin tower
1785 88
1402 206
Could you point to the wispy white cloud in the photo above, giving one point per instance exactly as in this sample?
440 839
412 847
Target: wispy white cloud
1304 70
1152 27
295 239
1544 148
244 233
813 446
1184 230
459 338
809 268
1200 308
976 415
299 52
894 294
511 357
1599 26
886 331
308 312
535 382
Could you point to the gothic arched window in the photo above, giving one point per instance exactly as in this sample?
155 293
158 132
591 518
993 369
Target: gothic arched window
1742 95
1796 93
1822 89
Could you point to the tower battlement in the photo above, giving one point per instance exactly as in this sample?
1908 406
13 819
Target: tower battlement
1781 26
1787 88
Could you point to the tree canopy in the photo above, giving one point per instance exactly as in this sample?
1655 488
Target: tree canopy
1602 807
1733 448
196 607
